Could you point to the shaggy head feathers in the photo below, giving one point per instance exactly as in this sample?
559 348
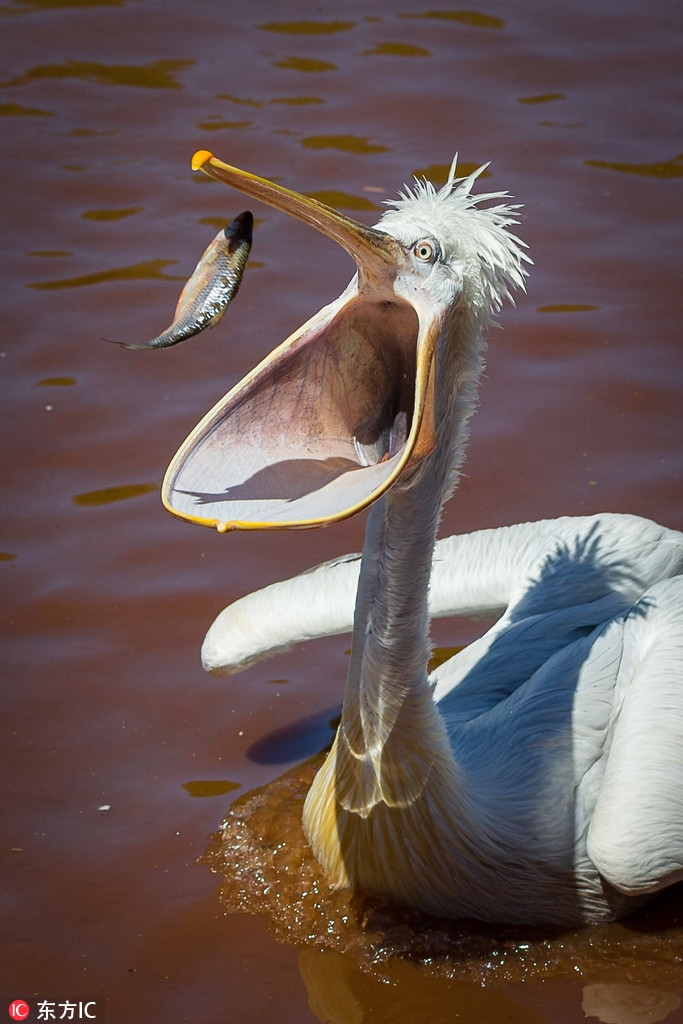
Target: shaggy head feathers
477 254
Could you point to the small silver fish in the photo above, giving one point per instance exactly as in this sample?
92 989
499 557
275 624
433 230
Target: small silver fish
212 286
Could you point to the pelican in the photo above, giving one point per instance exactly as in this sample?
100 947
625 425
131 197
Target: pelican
537 775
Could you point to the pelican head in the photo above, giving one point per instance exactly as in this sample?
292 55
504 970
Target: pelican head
350 403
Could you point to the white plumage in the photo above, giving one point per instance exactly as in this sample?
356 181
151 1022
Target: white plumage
589 639
537 775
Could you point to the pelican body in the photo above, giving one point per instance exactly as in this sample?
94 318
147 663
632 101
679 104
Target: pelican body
537 776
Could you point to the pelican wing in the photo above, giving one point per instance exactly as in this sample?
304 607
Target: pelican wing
636 834
474 575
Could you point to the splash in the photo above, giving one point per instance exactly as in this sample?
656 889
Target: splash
267 868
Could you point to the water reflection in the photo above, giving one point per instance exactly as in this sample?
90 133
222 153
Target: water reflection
340 993
266 867
55 382
49 254
307 28
292 101
396 50
438 173
304 64
659 169
210 787
53 5
346 143
546 97
567 307
148 270
113 214
296 101
108 495
159 74
628 1004
216 123
343 201
474 19
19 110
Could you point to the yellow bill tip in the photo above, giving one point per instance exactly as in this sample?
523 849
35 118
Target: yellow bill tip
200 158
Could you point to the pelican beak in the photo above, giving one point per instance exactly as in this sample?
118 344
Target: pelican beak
333 416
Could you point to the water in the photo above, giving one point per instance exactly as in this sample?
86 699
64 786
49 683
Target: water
121 756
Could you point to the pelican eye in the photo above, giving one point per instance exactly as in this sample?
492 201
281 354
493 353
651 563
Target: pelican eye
425 251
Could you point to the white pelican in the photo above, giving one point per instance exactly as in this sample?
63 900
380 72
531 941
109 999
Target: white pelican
537 776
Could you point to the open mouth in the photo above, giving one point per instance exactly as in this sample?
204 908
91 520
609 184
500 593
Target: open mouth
314 434
330 419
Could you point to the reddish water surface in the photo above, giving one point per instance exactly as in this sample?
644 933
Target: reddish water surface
110 730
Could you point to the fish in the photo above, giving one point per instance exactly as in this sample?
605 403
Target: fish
212 286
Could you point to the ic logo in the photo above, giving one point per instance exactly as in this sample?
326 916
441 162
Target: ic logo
19 1009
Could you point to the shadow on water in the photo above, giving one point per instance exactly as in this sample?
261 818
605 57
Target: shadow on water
297 740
